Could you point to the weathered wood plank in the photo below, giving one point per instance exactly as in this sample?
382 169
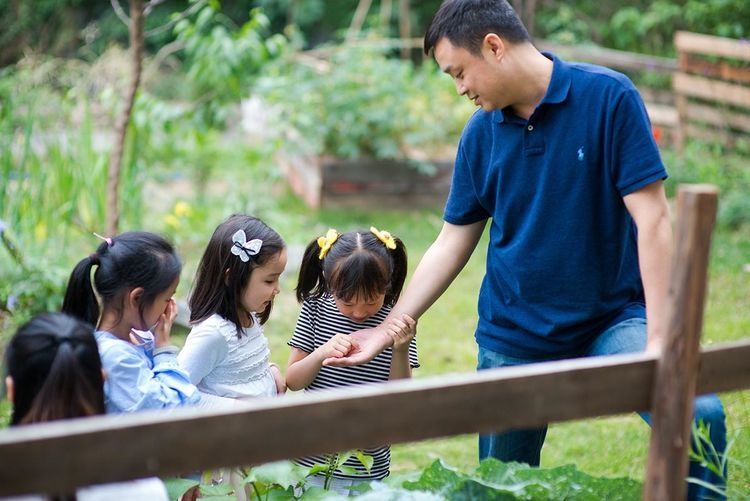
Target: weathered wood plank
610 58
63 455
711 90
722 69
67 454
676 375
710 134
724 368
697 43
718 117
663 115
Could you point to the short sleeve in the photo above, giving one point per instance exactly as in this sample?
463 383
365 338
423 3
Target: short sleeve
413 357
464 205
636 160
304 332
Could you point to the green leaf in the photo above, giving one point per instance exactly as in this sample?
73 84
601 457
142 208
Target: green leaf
438 477
284 474
218 490
366 460
317 468
176 487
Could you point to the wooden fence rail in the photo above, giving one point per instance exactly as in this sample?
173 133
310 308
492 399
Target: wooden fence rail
63 455
59 456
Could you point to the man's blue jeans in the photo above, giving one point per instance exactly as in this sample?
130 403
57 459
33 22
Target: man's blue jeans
628 336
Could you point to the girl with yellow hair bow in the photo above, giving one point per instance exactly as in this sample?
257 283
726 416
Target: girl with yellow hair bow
348 282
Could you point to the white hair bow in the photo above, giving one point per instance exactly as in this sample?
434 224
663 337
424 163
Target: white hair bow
244 249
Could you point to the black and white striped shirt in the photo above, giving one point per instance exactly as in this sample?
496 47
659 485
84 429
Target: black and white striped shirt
318 322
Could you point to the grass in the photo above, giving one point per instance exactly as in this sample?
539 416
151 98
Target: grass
608 446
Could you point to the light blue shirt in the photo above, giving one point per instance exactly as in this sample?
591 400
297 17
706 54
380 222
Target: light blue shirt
137 380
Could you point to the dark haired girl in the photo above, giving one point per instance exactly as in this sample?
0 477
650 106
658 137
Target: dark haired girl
348 282
131 294
54 372
226 353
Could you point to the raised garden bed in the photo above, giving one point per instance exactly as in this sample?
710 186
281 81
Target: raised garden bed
330 182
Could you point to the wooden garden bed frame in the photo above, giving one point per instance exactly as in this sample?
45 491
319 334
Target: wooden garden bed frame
60 456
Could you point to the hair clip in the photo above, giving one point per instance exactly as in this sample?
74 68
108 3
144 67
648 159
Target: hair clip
385 237
106 239
325 242
244 249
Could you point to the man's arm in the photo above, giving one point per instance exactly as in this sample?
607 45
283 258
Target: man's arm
440 265
650 211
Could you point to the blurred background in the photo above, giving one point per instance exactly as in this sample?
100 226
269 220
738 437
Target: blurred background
313 114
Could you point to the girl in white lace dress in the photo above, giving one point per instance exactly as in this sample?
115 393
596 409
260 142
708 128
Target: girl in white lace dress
226 353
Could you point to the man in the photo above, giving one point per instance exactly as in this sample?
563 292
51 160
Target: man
560 158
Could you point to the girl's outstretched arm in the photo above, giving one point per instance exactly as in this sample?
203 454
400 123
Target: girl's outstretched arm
302 367
402 331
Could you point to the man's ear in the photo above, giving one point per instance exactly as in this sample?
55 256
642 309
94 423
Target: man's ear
494 45
10 389
104 375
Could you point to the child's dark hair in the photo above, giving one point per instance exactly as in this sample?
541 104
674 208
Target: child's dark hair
133 259
465 23
57 374
222 275
357 264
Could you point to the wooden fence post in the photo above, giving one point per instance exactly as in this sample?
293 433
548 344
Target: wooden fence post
677 368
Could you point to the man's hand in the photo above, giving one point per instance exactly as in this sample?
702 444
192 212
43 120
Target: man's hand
366 345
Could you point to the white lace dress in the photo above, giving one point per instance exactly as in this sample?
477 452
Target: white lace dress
221 363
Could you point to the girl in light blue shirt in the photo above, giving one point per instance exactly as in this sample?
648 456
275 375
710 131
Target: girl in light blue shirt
130 300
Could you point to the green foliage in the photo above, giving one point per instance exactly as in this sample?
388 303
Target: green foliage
702 450
710 163
361 103
438 481
496 480
639 25
222 60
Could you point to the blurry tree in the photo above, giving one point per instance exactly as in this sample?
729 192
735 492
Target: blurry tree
121 128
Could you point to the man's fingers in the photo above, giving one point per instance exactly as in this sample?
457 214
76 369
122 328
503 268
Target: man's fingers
343 361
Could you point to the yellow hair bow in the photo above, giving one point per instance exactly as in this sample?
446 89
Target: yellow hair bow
384 237
326 242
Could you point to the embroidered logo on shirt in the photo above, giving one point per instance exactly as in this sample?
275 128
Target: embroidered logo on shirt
580 154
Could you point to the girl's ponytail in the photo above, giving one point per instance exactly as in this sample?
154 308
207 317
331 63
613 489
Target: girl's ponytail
311 281
80 300
398 277
132 259
68 391
54 363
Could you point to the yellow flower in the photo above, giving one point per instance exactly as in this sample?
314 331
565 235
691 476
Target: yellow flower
172 221
326 242
40 232
182 209
384 237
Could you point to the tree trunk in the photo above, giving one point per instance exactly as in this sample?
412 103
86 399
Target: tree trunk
386 11
525 10
121 128
404 26
359 19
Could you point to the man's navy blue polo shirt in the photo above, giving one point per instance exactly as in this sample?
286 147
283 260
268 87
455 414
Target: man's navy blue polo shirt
562 261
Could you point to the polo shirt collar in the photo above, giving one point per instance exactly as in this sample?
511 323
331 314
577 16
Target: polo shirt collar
558 89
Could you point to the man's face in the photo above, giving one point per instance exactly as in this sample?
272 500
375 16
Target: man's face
475 76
